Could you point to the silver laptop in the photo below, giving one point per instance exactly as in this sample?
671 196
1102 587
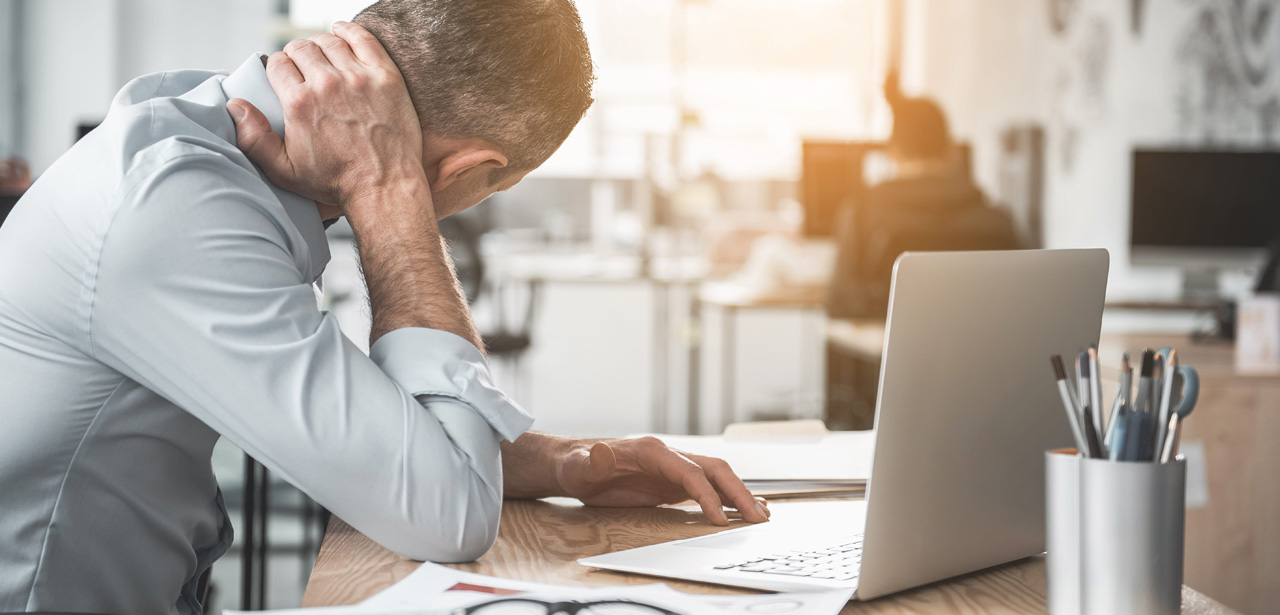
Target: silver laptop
966 408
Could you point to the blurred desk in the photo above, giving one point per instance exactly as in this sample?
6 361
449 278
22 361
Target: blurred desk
542 541
853 372
730 301
672 281
1232 540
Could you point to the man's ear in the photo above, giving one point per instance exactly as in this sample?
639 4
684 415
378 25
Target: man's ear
465 162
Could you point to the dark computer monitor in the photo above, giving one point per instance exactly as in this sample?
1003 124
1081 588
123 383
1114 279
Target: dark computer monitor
1203 211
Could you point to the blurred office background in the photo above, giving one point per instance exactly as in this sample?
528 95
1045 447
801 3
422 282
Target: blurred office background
672 267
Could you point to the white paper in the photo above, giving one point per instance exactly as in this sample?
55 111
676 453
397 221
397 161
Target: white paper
432 590
1258 333
844 455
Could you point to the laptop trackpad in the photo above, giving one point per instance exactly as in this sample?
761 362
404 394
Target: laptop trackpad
730 540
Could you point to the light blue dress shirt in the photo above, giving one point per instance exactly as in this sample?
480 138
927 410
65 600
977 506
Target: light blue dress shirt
156 294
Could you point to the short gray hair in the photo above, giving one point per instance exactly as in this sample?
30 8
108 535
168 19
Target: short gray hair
516 73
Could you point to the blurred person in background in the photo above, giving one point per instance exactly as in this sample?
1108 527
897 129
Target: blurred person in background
931 203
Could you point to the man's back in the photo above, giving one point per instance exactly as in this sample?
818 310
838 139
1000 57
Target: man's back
71 516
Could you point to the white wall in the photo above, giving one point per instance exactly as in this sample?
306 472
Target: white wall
9 39
1099 89
76 55
68 64
161 35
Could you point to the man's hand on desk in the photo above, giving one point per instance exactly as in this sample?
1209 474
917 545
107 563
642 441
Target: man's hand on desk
624 472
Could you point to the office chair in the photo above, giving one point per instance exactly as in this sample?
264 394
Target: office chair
514 307
7 201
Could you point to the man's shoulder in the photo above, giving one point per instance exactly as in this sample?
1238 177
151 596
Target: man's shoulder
164 118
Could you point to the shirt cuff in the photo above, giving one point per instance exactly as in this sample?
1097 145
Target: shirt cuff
433 362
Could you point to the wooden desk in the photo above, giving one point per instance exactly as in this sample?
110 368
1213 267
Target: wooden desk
541 541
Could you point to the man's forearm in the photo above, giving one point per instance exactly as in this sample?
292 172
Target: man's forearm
529 465
405 263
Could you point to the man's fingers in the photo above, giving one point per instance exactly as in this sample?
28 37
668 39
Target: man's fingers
255 138
337 51
682 471
310 59
366 48
281 71
728 483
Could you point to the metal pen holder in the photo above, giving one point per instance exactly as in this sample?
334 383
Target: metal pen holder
1114 534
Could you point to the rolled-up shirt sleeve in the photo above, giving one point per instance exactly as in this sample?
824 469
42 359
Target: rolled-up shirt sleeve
438 363
199 295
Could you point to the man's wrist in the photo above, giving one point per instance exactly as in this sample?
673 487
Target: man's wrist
534 464
404 202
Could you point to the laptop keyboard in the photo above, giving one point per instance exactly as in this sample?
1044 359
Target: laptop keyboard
836 563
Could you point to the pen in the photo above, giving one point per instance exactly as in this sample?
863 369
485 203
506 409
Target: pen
1117 432
1134 426
1170 446
1070 405
1126 381
1121 404
1137 428
1144 383
1095 393
1088 422
1117 411
1149 436
1170 374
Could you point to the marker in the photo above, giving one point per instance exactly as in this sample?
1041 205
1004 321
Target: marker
1070 405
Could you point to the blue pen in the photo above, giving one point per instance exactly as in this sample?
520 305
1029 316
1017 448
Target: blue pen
1118 434
1120 404
1137 428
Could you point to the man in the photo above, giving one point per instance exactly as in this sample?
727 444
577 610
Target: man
156 294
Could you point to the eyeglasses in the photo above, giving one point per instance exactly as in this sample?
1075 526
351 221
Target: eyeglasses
526 606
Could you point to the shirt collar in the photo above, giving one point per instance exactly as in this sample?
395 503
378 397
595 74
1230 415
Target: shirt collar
249 82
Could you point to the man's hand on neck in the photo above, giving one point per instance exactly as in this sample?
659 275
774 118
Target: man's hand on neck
355 141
